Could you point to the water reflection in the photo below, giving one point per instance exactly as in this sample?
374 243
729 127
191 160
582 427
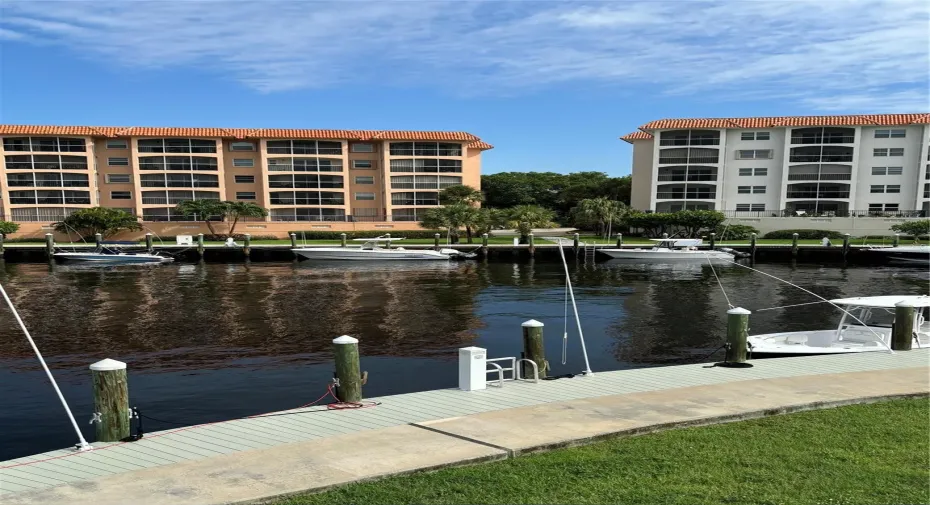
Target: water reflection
207 342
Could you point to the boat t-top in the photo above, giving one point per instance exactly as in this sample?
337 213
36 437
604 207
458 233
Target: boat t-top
669 250
373 250
865 326
111 252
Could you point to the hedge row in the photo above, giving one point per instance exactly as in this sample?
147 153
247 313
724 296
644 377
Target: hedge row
804 234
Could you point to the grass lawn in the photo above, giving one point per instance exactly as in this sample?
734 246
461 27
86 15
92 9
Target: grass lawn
863 454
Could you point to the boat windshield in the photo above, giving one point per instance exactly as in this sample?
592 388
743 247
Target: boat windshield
879 317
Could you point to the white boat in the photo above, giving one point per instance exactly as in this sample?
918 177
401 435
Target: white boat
904 254
110 254
371 250
869 330
671 250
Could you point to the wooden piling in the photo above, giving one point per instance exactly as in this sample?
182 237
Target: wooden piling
49 245
752 247
534 348
575 241
794 245
532 243
665 235
903 329
149 246
293 240
845 245
737 334
484 245
896 240
619 240
713 241
111 400
200 245
2 247
348 372
98 238
436 241
342 239
247 246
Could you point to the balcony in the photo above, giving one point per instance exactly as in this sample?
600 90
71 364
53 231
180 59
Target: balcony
690 195
688 156
818 194
823 136
827 154
819 177
689 138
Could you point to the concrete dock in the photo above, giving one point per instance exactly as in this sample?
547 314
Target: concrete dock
316 448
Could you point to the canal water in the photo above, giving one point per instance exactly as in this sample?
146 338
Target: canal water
208 342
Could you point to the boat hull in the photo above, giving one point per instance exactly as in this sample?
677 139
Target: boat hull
648 255
345 254
905 254
810 343
110 258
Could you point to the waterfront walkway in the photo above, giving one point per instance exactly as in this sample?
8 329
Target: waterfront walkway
315 448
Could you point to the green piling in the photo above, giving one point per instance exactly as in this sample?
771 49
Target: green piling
484 245
532 244
737 334
247 246
98 238
752 247
348 372
342 239
149 246
713 241
897 239
575 241
293 240
534 348
794 245
619 240
111 400
903 332
49 244
200 245
436 241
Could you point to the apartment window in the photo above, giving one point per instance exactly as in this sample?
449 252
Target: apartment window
750 207
762 171
896 151
117 144
364 196
118 178
425 149
118 162
758 190
361 163
754 154
887 170
877 188
886 207
893 188
893 134
245 179
364 179
895 170
245 195
363 148
754 136
243 162
176 146
241 146
426 165
744 190
303 147
745 172
880 151
120 195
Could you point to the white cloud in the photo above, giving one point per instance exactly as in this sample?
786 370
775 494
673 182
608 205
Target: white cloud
810 52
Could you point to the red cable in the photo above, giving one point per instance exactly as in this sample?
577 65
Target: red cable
339 405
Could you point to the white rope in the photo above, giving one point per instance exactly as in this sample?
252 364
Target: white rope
817 296
571 293
788 306
83 445
709 262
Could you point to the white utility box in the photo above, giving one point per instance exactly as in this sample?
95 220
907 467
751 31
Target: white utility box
473 365
185 239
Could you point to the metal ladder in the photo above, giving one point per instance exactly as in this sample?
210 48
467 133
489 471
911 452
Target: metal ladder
589 252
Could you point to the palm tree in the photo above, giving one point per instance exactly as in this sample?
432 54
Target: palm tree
236 210
602 211
450 218
526 217
466 195
203 210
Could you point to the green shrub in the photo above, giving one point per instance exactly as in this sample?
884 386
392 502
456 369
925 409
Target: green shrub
8 227
335 235
735 232
804 234
919 228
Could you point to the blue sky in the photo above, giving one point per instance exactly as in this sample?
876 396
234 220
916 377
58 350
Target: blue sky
550 84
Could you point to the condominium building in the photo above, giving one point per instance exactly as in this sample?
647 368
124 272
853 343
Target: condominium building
784 166
298 175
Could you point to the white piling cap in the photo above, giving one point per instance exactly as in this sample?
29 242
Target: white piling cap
904 303
532 323
107 365
739 310
345 339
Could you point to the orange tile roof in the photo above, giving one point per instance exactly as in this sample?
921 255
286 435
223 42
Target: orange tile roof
238 133
790 121
630 137
480 144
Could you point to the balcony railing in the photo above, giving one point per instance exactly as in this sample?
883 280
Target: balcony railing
822 213
691 142
689 177
694 160
816 194
685 196
839 139
816 158
819 177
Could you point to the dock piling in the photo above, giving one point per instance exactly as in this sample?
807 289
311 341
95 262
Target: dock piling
896 240
342 239
436 241
737 333
665 235
534 348
619 240
794 245
902 333
98 238
532 244
845 245
49 244
200 245
752 247
484 245
111 400
348 373
575 240
2 236
247 246
149 246
293 240
713 241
